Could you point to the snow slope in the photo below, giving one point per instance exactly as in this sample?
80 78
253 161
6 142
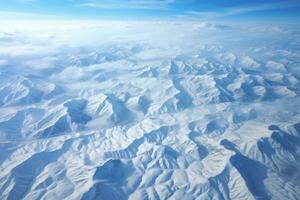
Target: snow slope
149 110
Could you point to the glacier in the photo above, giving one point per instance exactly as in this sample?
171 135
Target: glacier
149 110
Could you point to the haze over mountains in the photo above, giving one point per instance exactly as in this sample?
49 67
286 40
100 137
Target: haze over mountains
149 110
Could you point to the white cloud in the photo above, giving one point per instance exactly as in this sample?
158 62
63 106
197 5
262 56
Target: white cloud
3 62
243 9
131 4
22 15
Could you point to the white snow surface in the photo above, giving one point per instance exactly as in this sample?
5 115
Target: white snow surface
149 110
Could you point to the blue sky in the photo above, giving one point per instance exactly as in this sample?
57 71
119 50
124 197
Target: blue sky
151 9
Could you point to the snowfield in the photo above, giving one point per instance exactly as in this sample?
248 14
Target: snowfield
149 110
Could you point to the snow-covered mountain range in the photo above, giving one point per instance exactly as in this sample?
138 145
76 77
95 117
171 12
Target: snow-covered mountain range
149 110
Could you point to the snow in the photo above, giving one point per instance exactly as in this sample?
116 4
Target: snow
149 110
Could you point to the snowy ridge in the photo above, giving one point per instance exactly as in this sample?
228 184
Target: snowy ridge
149 116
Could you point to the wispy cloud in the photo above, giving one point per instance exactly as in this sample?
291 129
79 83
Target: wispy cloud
243 9
22 15
26 1
130 4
